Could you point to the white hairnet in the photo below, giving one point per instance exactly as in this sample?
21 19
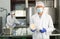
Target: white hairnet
39 3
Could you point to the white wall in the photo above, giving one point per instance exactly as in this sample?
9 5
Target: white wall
5 4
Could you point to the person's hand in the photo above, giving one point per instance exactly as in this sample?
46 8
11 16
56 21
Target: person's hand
13 24
43 30
33 28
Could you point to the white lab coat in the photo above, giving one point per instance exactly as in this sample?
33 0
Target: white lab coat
45 21
11 22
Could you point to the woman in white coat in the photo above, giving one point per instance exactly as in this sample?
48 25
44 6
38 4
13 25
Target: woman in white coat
41 23
11 22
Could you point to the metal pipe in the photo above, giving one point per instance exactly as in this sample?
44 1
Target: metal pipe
55 3
26 3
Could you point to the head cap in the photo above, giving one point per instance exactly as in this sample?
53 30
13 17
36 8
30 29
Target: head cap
39 3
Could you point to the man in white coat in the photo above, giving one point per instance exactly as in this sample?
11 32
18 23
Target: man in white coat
11 22
41 23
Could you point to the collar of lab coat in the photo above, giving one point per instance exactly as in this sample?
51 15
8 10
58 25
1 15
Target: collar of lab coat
42 15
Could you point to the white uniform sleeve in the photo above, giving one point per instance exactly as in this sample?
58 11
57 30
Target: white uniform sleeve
8 21
16 21
50 26
31 21
32 26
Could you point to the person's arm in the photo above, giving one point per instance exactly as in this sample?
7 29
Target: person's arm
50 26
32 26
16 21
8 21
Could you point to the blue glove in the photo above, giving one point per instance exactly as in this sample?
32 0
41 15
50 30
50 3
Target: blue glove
43 30
33 30
14 25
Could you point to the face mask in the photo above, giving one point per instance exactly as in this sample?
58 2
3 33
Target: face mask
39 10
